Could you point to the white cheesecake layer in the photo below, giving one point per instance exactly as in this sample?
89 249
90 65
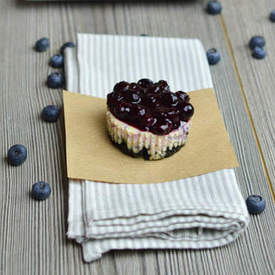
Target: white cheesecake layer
136 139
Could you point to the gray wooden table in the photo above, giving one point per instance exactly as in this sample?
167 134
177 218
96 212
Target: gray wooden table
32 234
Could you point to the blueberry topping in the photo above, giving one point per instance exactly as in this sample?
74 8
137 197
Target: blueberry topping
213 56
148 121
50 113
255 204
56 80
134 98
272 16
163 85
183 96
125 111
259 53
188 111
169 99
214 7
153 89
150 106
145 82
256 41
121 86
17 154
41 190
67 45
163 126
152 100
57 61
133 87
42 44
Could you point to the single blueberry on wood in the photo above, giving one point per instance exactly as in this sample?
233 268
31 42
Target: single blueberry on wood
259 53
214 7
67 45
272 16
57 61
42 44
213 56
41 190
256 41
17 154
56 80
50 113
255 204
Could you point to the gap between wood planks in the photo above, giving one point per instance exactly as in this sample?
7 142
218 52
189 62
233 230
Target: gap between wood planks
230 48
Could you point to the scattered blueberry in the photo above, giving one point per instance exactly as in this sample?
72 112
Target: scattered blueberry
256 41
17 154
259 53
41 190
56 80
67 45
213 56
214 7
50 113
42 44
272 16
57 61
255 204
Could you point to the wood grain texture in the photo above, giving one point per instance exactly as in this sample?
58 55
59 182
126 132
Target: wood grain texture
257 76
32 239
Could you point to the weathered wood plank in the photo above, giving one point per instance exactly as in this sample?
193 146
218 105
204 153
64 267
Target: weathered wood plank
32 239
257 76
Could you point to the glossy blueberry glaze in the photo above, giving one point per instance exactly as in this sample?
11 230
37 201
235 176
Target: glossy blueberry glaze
150 106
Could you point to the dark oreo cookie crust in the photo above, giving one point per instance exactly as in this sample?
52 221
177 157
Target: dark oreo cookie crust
144 153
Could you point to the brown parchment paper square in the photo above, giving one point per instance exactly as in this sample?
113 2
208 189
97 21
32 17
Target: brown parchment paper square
91 155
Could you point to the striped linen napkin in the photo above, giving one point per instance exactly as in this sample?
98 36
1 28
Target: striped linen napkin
200 212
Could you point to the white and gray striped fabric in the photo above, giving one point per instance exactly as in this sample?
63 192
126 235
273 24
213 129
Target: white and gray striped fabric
200 212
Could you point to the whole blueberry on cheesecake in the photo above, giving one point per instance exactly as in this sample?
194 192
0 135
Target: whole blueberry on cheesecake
146 119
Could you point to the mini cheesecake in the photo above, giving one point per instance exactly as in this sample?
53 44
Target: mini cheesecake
146 119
